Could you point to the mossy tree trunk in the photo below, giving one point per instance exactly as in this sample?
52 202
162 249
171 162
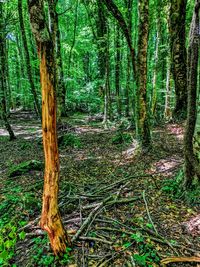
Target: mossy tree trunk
27 58
117 70
143 128
3 75
178 55
129 6
50 218
192 166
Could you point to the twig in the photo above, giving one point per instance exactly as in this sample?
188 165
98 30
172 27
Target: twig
165 261
115 255
113 202
95 239
148 213
89 218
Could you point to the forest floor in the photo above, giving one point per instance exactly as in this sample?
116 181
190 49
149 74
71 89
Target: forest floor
130 201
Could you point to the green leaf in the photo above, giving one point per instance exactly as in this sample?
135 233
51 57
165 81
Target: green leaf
22 235
4 255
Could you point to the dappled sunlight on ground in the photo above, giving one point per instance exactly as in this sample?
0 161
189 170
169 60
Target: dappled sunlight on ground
193 226
176 130
89 129
24 131
166 166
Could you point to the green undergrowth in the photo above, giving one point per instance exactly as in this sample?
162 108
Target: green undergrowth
42 254
121 138
25 167
174 188
69 140
9 235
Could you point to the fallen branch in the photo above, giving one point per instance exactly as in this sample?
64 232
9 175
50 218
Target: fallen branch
90 218
148 213
94 239
113 202
179 259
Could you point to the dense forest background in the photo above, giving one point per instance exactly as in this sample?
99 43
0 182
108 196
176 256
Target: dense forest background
103 96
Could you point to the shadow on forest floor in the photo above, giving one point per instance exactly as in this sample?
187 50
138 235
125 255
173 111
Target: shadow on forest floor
138 219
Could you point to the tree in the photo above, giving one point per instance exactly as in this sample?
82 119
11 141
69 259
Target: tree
27 58
3 74
142 122
178 54
142 109
192 167
45 38
61 90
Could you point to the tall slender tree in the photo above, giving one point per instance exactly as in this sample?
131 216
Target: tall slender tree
192 166
45 38
178 54
3 74
27 58
142 109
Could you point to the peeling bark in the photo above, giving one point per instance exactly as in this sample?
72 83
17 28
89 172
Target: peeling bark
50 218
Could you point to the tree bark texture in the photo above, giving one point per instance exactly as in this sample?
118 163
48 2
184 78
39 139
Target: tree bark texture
192 166
143 128
50 218
117 70
178 54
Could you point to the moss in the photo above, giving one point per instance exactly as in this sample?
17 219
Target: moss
25 167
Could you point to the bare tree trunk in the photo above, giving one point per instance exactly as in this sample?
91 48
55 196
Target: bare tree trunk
167 111
50 218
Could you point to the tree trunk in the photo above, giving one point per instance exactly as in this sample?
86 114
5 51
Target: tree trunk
129 5
192 167
178 55
154 82
61 90
27 58
3 75
50 218
167 111
125 29
117 71
143 129
102 46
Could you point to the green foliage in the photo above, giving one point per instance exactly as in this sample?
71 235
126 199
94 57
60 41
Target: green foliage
41 253
147 253
8 239
172 186
25 202
25 167
121 138
70 140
